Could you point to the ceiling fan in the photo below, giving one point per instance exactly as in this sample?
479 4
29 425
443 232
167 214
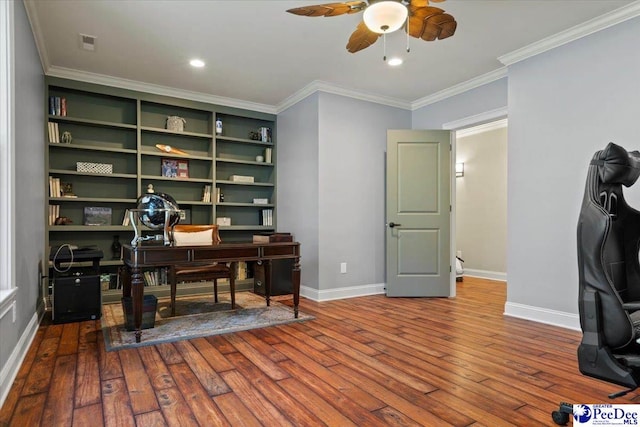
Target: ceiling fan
385 16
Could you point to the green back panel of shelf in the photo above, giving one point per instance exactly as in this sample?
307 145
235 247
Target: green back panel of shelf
155 115
260 173
240 127
194 146
241 215
61 157
74 210
101 239
245 193
240 151
201 169
180 190
99 186
92 106
100 136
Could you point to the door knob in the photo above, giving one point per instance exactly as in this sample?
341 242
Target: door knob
393 224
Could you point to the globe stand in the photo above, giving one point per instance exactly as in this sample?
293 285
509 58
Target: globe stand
134 219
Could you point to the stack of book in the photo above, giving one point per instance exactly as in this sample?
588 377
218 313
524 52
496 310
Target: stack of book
206 193
54 132
267 217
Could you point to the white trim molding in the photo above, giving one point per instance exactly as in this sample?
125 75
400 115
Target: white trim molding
342 293
11 368
542 315
7 150
484 274
476 120
486 127
473 83
320 86
102 79
594 25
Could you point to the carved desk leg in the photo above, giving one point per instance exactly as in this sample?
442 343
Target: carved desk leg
125 280
295 280
267 281
137 294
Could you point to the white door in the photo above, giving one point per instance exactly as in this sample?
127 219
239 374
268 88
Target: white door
418 213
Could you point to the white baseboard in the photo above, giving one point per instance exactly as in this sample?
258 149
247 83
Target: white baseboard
543 315
10 369
484 274
342 293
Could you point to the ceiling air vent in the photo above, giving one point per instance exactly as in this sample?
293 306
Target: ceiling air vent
87 42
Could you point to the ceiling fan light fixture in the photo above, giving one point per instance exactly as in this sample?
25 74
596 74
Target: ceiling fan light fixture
197 63
394 62
385 16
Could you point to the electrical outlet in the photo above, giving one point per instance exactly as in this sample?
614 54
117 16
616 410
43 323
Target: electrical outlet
343 268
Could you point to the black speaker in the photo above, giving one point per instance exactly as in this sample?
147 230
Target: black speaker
76 298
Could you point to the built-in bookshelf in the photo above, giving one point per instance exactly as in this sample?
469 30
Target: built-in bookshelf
103 153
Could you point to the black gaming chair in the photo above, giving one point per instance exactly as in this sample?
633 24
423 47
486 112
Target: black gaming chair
609 274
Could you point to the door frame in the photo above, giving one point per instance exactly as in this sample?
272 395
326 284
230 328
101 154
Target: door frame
455 126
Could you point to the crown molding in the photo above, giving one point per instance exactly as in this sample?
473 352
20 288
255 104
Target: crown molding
105 80
34 21
473 83
321 86
607 20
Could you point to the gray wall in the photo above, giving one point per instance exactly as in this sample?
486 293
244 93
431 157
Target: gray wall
297 182
331 175
481 203
28 182
564 105
353 140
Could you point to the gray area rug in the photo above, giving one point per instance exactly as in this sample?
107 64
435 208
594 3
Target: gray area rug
197 317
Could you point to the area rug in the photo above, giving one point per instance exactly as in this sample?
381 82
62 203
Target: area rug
197 316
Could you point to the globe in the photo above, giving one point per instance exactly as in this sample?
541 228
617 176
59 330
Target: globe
152 208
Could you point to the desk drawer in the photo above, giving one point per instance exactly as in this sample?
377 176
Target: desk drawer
221 252
280 250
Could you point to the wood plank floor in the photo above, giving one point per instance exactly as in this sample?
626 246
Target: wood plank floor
369 361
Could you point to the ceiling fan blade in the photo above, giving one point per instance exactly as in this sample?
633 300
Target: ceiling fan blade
361 38
435 27
329 9
431 23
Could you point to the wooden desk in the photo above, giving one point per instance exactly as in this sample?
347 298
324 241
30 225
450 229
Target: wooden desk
135 259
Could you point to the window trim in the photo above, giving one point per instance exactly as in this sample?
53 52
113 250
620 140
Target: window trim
7 153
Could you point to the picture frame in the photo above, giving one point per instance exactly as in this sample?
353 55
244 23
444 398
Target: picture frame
185 216
97 216
174 168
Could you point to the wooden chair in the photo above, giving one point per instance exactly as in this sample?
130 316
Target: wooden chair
197 235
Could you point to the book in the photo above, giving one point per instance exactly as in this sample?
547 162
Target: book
63 106
97 216
266 217
267 155
241 178
52 105
57 105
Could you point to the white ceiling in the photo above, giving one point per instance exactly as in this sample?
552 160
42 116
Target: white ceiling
257 53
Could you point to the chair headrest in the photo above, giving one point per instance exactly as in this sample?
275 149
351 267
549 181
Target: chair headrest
617 165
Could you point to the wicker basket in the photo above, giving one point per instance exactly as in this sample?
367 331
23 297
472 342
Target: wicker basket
176 123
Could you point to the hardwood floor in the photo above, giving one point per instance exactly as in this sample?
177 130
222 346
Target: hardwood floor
368 361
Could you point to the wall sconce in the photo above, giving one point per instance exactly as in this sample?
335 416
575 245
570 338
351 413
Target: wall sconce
459 170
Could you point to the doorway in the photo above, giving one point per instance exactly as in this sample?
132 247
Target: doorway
481 200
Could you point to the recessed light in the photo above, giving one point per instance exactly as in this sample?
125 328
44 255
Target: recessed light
198 63
394 62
